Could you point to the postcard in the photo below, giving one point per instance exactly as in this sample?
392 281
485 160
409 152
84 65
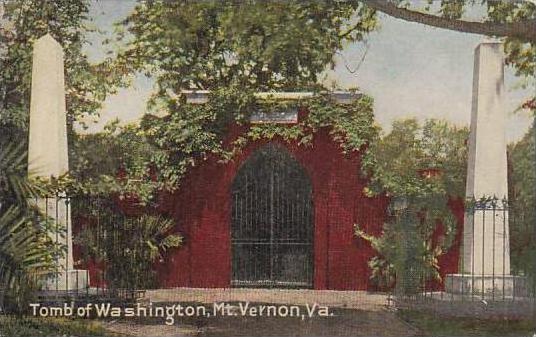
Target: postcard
255 168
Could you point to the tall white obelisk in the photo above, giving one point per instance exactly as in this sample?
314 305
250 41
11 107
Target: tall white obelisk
485 264
486 242
47 152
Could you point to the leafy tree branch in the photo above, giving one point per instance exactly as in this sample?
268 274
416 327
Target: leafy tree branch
524 30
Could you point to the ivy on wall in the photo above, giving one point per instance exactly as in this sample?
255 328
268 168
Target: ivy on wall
421 165
156 154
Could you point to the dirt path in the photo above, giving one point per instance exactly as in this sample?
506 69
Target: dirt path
333 298
353 313
344 322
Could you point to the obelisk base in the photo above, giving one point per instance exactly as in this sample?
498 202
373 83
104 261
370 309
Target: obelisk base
487 286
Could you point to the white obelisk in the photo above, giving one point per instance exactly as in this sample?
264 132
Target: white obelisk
47 152
486 242
485 264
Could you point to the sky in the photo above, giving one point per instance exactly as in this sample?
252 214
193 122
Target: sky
411 70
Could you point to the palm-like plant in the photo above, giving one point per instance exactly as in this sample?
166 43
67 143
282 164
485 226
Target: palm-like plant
24 246
155 235
128 246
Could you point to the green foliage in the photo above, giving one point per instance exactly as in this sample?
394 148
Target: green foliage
407 256
522 188
26 254
421 168
452 9
49 326
430 323
258 44
397 162
351 125
26 250
155 157
128 246
15 187
520 54
22 22
93 173
233 50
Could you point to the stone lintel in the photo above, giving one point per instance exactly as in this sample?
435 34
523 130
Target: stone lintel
341 97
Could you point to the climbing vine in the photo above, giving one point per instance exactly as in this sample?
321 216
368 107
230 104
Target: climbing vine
156 154
351 125
421 167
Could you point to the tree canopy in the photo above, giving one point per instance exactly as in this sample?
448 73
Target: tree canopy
512 19
21 23
287 45
257 45
522 182
422 167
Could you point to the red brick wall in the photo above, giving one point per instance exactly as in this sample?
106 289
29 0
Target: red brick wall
203 213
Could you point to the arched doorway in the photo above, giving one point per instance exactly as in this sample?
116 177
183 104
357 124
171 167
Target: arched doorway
272 222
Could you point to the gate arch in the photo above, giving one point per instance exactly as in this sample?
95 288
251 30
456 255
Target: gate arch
272 225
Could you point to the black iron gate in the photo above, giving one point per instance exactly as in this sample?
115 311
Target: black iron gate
272 222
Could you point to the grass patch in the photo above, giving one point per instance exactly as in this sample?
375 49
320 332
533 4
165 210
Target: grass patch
434 325
52 326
